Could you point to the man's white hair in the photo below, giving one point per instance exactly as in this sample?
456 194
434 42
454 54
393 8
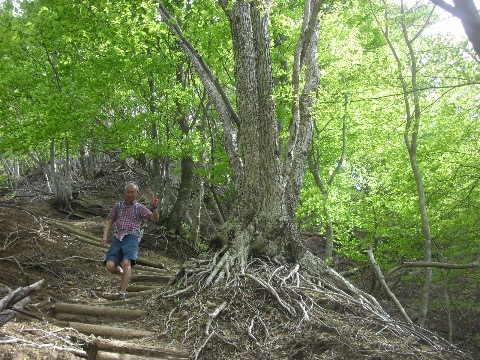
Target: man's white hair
132 183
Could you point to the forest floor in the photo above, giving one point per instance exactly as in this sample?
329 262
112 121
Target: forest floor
32 248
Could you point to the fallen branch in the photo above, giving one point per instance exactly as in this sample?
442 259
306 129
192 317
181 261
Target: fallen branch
433 265
14 260
12 340
385 287
203 345
214 315
16 297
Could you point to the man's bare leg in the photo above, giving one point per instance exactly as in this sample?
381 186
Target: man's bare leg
112 268
126 275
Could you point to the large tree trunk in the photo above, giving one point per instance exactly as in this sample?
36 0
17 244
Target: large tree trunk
468 14
263 219
268 189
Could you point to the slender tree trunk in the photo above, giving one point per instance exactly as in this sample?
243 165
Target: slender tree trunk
179 213
157 173
196 211
198 189
411 132
83 163
61 176
411 141
16 174
446 299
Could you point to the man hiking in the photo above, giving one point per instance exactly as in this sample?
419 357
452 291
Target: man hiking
123 251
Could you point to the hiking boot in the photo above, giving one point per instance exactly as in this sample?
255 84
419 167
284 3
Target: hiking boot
121 296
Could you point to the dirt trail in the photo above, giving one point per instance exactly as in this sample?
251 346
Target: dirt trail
80 319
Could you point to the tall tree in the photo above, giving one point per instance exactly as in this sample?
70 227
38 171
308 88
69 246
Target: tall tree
267 178
411 76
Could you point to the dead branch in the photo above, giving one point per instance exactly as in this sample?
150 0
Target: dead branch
13 340
16 301
14 260
432 264
387 290
213 316
203 345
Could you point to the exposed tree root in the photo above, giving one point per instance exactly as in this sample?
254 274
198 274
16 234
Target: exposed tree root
268 309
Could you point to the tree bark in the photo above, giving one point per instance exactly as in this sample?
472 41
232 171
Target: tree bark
468 14
178 215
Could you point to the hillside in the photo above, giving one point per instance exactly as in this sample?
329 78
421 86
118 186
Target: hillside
234 321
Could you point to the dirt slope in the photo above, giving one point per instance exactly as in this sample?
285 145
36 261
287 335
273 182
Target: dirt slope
250 326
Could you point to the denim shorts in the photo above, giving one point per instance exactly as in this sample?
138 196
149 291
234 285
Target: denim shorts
121 250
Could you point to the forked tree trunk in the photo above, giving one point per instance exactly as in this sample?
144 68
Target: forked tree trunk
267 186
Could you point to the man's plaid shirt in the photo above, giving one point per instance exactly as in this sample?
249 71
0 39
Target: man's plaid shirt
126 222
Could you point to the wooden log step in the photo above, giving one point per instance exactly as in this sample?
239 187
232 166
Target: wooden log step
104 355
137 288
64 317
98 311
132 294
157 279
113 331
114 349
150 269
